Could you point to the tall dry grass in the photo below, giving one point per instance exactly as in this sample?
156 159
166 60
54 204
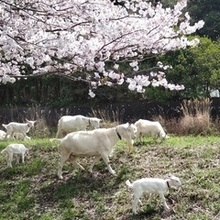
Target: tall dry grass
41 130
196 119
109 118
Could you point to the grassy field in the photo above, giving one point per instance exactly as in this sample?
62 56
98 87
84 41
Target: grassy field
33 191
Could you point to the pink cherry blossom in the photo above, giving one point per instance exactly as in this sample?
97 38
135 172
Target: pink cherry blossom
65 37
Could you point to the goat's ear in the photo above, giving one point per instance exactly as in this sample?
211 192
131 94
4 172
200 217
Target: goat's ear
170 175
126 125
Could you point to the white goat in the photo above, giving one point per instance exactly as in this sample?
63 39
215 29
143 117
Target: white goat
15 127
98 143
152 185
20 136
2 134
69 123
150 128
12 149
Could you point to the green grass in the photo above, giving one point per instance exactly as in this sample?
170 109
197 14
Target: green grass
33 191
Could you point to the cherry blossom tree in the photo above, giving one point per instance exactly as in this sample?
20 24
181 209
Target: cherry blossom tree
92 37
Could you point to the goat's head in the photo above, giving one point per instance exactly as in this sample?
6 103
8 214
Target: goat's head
163 135
31 123
174 181
127 131
95 122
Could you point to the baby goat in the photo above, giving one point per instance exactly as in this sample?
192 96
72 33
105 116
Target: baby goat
12 149
20 136
2 135
15 127
152 185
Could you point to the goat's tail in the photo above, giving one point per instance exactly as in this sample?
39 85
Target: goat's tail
5 126
55 140
3 151
129 184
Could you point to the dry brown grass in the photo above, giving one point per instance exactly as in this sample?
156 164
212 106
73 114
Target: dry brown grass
110 118
196 119
41 130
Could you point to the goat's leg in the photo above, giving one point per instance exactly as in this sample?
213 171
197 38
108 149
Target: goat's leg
18 158
131 145
106 160
140 202
141 139
24 135
22 158
64 158
93 163
164 201
8 135
73 160
9 160
135 201
58 133
12 135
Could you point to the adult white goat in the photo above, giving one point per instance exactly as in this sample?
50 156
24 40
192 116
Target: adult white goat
150 128
152 185
98 142
69 123
15 127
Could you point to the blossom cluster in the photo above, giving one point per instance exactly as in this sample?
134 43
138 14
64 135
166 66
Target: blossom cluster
82 35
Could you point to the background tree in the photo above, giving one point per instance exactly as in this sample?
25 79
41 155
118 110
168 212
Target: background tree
209 11
197 68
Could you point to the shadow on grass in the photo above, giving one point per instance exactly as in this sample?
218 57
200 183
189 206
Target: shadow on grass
18 170
150 212
79 184
82 185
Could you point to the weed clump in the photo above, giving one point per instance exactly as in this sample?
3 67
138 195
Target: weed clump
196 119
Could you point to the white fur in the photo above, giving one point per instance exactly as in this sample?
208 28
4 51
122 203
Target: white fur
12 149
150 128
152 185
2 134
20 136
15 127
98 143
69 123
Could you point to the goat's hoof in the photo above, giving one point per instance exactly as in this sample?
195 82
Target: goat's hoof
173 211
113 173
60 177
